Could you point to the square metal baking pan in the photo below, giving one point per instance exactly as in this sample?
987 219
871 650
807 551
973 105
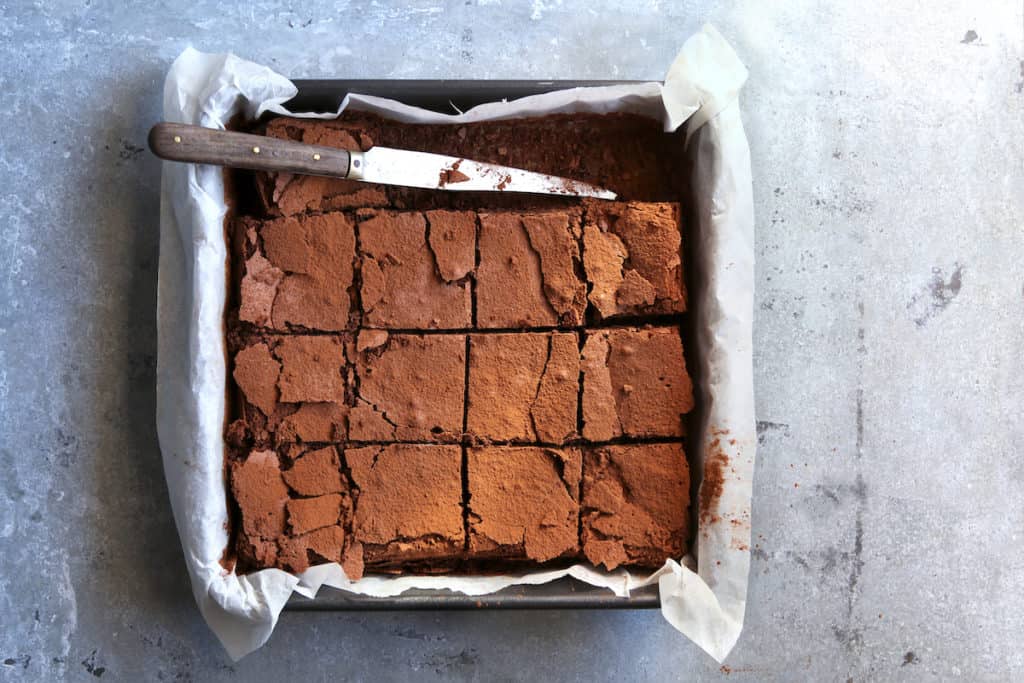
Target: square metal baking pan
451 97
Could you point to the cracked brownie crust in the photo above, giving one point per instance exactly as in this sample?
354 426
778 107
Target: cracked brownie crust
427 381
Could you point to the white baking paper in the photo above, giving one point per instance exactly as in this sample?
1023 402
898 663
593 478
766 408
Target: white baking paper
704 594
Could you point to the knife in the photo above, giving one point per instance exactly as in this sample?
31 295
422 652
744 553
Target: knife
180 142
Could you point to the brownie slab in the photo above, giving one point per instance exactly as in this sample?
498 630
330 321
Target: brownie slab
409 387
294 388
625 153
529 270
409 502
403 281
635 502
523 387
633 258
523 502
429 381
635 383
298 272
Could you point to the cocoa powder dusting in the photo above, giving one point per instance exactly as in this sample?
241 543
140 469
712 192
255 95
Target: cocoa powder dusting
711 488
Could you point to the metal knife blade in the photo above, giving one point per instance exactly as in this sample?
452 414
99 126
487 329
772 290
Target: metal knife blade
441 172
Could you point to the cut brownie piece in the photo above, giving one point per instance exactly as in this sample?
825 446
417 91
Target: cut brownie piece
523 502
294 388
404 285
409 505
529 270
298 272
287 194
633 259
279 530
261 494
635 502
410 388
634 383
523 387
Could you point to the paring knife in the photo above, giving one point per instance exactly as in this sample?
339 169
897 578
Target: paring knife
180 142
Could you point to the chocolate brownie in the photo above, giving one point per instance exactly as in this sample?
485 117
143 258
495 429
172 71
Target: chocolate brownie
297 272
523 502
633 258
529 270
635 502
523 387
635 383
409 504
293 388
409 388
295 517
404 285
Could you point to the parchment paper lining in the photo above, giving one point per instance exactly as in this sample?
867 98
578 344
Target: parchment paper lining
704 598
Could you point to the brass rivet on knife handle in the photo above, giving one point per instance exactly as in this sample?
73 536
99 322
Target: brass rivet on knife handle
180 142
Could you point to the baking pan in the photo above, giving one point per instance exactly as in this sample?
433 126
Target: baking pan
450 97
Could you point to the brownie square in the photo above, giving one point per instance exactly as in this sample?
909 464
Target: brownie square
298 272
409 388
523 386
523 502
287 194
635 502
402 285
633 258
409 505
529 270
293 388
635 383
281 529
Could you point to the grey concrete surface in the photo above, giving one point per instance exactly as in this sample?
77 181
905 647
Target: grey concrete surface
889 173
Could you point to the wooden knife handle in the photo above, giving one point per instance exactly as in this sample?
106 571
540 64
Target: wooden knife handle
180 142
